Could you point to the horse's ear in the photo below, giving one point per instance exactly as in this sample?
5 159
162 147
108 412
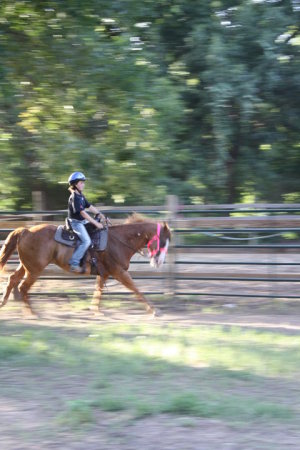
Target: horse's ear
167 228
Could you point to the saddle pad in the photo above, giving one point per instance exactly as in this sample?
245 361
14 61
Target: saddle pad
58 237
99 239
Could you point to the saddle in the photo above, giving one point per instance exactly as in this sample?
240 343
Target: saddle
67 236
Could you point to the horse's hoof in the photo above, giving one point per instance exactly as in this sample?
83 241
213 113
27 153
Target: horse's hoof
28 314
3 303
98 313
157 312
151 311
31 317
95 309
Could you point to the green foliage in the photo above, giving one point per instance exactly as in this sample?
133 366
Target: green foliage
149 98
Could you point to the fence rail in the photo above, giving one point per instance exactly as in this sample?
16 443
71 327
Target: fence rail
266 270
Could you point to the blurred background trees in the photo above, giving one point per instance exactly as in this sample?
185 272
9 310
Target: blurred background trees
198 99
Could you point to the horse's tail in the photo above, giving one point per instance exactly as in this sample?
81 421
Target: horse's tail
9 246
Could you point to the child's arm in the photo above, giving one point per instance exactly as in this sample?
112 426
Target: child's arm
94 210
86 216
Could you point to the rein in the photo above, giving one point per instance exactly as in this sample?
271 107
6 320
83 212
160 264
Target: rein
129 246
151 253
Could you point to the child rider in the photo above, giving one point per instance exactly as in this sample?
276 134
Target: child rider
78 216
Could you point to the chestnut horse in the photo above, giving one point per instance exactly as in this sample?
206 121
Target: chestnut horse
37 248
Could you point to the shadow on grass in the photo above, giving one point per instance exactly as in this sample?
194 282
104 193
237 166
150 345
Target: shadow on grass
211 372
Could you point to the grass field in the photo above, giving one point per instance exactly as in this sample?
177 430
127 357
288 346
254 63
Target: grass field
59 384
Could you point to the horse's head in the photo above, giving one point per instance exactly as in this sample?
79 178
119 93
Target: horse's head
158 245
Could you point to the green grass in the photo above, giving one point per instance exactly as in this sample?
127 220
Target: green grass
110 403
186 403
229 373
77 412
189 403
142 349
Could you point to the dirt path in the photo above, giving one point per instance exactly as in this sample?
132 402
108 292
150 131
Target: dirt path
73 311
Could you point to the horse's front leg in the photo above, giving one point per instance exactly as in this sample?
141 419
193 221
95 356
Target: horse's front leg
127 281
13 282
24 287
95 304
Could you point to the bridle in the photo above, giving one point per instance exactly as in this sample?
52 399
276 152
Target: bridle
156 238
151 253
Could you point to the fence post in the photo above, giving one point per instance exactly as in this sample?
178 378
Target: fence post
38 203
172 208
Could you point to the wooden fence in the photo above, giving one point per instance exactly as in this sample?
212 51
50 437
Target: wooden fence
225 251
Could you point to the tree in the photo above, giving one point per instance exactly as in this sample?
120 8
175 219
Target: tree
149 98
237 64
80 92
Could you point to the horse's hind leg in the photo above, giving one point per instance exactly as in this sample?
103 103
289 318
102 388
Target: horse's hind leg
95 304
12 283
24 288
127 281
16 293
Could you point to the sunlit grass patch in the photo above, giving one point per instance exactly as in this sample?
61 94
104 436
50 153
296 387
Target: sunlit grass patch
231 348
208 371
149 350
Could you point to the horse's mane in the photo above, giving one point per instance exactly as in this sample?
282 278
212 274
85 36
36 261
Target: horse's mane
137 218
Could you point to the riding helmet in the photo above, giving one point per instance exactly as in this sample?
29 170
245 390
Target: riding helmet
75 177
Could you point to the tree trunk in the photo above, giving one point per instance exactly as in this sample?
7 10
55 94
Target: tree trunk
232 173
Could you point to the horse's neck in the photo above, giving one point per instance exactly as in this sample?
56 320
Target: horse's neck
146 230
141 233
137 235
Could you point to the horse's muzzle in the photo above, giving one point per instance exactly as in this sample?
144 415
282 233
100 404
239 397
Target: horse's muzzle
158 259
